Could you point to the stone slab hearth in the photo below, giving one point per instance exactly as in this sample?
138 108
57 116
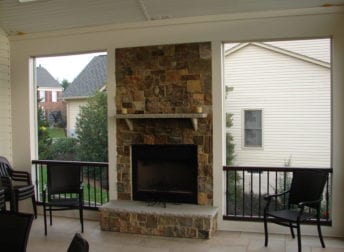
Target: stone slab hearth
176 220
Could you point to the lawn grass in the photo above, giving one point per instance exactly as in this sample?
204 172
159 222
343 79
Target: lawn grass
56 132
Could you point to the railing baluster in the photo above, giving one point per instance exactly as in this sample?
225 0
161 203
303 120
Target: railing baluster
36 181
327 197
268 183
260 194
42 178
101 185
284 187
235 191
94 185
275 188
251 192
243 192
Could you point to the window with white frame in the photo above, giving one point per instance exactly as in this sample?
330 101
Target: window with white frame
42 95
54 96
253 136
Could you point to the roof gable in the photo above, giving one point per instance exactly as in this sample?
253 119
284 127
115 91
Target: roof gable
45 79
278 50
91 79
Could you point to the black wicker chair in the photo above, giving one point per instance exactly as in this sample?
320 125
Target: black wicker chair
63 191
2 200
14 229
17 184
78 244
305 191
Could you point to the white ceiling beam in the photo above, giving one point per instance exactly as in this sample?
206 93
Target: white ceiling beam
144 9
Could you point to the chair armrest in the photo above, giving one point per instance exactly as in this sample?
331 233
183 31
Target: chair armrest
268 197
305 203
22 176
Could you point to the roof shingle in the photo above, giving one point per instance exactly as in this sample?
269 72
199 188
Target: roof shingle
91 79
45 79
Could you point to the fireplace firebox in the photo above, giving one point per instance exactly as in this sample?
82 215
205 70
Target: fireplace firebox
164 173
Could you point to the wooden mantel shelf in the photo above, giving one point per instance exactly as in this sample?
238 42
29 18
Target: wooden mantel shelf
193 117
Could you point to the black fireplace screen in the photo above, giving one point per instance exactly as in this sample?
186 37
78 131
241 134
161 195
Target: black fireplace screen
165 173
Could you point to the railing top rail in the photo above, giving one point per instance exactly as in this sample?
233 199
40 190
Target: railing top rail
263 168
105 164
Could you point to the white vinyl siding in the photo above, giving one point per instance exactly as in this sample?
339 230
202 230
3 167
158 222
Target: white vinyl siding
5 98
296 98
73 110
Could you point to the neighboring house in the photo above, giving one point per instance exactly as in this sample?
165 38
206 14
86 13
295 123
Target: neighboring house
281 104
49 94
91 79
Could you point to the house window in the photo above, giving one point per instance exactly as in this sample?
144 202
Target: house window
54 96
253 128
42 95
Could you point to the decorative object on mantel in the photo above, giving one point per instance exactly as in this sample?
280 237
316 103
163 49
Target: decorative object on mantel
193 117
199 109
124 111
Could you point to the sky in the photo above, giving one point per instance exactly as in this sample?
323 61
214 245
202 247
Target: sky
66 67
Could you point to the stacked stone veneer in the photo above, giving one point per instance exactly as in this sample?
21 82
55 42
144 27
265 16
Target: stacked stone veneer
187 221
165 79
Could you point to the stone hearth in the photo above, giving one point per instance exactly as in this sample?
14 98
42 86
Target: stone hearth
182 220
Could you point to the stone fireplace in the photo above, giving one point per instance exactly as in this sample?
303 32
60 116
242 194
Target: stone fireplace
165 79
164 100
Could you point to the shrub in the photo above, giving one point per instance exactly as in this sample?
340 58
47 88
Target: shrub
64 149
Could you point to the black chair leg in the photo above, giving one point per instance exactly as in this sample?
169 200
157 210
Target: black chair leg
51 216
291 230
34 206
45 219
81 218
299 237
266 231
319 232
12 204
16 206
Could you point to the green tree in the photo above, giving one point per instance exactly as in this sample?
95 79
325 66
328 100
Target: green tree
229 141
44 141
234 189
65 83
64 149
91 129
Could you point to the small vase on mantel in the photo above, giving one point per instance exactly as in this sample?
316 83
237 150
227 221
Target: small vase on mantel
198 109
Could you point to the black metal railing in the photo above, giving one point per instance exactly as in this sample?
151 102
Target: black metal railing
95 178
247 186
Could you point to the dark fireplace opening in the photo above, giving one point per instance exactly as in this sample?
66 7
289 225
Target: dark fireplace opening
164 173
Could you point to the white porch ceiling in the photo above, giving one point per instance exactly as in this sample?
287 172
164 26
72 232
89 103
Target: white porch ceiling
50 15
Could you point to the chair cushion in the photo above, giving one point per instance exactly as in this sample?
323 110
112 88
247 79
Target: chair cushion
289 215
69 202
